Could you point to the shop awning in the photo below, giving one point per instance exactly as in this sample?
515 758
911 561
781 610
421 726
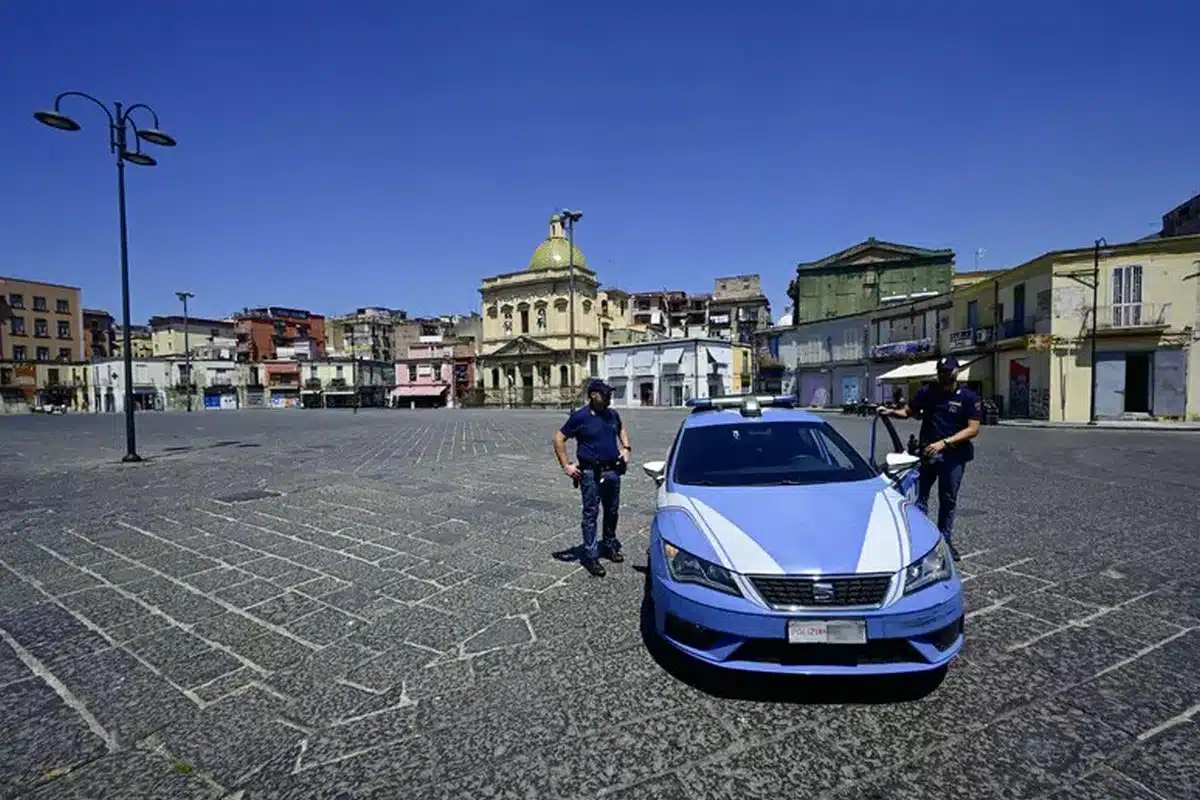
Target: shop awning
419 391
920 371
672 356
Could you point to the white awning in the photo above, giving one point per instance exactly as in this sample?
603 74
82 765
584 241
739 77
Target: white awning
720 355
643 362
920 371
615 362
672 356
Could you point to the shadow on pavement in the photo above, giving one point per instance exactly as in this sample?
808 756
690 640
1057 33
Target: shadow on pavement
771 688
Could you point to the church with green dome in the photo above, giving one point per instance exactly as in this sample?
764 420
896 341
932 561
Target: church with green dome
525 353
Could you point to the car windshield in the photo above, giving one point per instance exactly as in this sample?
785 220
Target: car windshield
767 454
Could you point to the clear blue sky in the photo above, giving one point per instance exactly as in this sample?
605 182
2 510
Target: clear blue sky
339 154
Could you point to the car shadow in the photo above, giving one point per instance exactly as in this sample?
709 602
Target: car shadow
765 687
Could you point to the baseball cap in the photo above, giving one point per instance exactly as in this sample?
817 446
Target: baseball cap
947 364
597 385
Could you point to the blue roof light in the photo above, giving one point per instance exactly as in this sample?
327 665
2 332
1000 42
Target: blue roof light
750 405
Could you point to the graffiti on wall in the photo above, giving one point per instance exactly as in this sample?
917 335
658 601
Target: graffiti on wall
1039 403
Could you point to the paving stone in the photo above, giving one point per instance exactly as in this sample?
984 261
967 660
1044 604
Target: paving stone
415 548
128 774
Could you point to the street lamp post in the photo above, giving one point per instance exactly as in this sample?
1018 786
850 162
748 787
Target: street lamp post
1095 299
119 124
187 349
571 218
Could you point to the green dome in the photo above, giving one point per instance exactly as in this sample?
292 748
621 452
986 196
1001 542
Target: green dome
555 251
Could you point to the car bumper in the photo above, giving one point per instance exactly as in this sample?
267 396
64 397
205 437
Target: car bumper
918 633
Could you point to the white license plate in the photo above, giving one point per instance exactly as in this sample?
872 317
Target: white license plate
822 631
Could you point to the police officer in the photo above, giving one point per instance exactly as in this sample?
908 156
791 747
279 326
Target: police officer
602 452
950 416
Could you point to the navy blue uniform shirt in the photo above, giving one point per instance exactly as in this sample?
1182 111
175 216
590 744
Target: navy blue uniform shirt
595 433
945 412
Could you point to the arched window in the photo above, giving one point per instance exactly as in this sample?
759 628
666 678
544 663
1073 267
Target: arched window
564 375
495 377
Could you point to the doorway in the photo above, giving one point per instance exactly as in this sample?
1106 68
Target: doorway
646 394
1138 375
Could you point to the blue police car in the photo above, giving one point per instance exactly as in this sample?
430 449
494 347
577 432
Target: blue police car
776 547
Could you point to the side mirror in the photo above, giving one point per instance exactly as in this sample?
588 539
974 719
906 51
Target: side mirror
896 464
657 470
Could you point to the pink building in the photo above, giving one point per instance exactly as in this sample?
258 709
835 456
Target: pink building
433 374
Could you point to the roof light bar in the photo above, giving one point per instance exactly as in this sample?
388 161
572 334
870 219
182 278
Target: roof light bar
748 404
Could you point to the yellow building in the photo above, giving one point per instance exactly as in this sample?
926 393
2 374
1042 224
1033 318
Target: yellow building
525 352
169 336
742 369
1028 333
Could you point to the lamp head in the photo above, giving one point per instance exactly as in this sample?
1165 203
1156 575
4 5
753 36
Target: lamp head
56 120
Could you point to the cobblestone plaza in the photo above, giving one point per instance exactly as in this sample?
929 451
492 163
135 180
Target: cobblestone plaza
319 604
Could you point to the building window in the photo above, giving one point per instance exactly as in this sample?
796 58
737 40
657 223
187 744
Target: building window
19 352
64 329
495 377
52 377
973 314
339 371
587 306
1127 296
41 329
6 377
524 320
64 354
593 366
544 374
43 354
16 326
412 373
39 303
62 306
564 376
16 301
604 307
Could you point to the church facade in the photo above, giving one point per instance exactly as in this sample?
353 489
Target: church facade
525 352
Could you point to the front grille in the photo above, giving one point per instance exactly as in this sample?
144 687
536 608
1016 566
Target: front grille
860 590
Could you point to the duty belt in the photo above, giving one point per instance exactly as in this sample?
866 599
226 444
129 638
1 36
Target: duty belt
601 466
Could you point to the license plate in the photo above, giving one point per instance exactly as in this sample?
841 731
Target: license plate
821 631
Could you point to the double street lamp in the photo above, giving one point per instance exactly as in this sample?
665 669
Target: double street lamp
120 123
570 218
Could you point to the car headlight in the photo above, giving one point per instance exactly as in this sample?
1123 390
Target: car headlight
687 568
933 567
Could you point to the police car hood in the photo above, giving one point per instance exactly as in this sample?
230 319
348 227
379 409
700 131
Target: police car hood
830 529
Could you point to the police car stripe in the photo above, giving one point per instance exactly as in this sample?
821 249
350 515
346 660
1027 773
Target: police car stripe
745 554
881 548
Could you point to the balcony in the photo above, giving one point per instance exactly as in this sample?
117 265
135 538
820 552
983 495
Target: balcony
313 384
1132 316
1019 327
902 349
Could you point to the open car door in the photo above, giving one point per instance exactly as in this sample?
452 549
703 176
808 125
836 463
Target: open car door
892 458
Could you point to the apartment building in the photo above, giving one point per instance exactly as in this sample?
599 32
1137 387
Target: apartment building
174 335
260 332
866 276
738 309
43 333
1029 332
100 335
366 333
140 341
733 311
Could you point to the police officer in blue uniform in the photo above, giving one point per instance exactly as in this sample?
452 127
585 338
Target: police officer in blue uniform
602 455
950 417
